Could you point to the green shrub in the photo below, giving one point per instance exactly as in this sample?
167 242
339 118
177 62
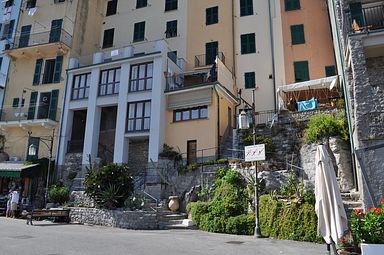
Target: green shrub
241 225
135 202
222 161
108 181
169 153
197 209
58 195
279 219
325 125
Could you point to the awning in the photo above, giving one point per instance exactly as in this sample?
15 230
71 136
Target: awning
19 170
323 83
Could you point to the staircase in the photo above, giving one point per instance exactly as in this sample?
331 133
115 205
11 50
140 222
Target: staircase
226 146
351 201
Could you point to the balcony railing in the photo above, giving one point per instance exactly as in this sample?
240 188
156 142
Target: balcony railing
28 40
204 60
189 80
372 18
24 114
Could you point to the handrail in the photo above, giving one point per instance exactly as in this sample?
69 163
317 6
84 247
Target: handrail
153 198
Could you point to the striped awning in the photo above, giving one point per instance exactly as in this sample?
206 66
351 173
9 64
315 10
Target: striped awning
18 170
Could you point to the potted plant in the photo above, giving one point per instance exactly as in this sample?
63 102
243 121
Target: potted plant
368 229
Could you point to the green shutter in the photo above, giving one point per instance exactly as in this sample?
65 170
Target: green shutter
246 7
32 105
15 102
291 5
301 71
53 104
250 80
297 34
24 36
38 67
330 71
55 33
58 67
357 13
248 43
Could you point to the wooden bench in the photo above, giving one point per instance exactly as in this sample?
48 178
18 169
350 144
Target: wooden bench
48 213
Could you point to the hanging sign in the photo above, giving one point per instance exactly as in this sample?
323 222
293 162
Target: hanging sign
255 152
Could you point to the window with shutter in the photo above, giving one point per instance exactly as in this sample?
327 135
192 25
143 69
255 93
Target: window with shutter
330 71
249 80
301 71
248 43
53 104
246 7
170 5
212 15
141 4
297 34
139 32
171 29
55 33
38 68
111 7
108 38
57 70
15 102
32 105
24 36
291 5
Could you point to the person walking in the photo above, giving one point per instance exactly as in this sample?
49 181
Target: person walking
9 202
14 202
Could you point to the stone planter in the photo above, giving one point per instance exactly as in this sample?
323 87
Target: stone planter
372 249
173 204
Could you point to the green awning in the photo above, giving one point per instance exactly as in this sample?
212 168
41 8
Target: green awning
18 170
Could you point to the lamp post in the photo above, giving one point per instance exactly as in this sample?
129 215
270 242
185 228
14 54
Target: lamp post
244 124
32 151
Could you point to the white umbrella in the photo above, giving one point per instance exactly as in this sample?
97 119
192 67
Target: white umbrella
332 219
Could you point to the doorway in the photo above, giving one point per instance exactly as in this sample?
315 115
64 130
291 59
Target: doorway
191 152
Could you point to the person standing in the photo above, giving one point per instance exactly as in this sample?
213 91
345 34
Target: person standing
14 202
9 202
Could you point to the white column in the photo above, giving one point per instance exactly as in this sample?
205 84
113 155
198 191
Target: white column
156 134
121 143
92 128
67 120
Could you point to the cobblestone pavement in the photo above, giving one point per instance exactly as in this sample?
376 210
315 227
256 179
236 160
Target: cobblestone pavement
45 238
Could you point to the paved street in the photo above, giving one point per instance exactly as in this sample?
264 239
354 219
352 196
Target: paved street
45 238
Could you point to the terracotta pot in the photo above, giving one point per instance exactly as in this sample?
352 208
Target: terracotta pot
371 249
173 204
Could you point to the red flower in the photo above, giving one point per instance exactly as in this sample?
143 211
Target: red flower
379 211
382 201
359 212
372 209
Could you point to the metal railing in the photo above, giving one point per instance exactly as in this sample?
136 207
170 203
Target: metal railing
265 117
28 40
372 19
202 60
181 81
23 113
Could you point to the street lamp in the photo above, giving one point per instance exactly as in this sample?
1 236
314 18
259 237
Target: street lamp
244 124
32 151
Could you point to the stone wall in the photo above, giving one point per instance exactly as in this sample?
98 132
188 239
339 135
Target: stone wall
116 218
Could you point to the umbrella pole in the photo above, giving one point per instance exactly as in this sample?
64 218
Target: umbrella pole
333 248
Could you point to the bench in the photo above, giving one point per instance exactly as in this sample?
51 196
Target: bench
48 213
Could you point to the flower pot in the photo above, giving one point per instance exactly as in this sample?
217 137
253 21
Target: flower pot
173 204
372 249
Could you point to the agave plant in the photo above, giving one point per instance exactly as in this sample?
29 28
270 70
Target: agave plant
110 196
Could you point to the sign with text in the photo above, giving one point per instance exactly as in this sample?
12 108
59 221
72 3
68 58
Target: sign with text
255 152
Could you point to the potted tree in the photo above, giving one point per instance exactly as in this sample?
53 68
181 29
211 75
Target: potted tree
368 228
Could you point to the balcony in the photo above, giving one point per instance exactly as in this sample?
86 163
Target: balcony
204 60
368 18
24 117
43 43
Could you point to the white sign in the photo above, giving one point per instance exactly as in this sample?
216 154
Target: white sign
255 152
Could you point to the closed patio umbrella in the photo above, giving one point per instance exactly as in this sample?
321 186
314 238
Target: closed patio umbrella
332 219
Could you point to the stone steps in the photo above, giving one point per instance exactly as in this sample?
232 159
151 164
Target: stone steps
169 220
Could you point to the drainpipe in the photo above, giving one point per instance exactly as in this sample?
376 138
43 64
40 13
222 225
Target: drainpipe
233 44
273 55
218 121
345 91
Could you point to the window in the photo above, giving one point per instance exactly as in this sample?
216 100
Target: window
24 36
80 86
172 55
55 33
249 80
171 29
248 44
31 4
170 5
139 32
141 77
108 38
301 71
8 30
139 116
211 51
111 7
59 1
8 3
109 82
43 105
330 71
48 71
141 4
291 5
212 15
297 34
190 114
246 7
15 102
